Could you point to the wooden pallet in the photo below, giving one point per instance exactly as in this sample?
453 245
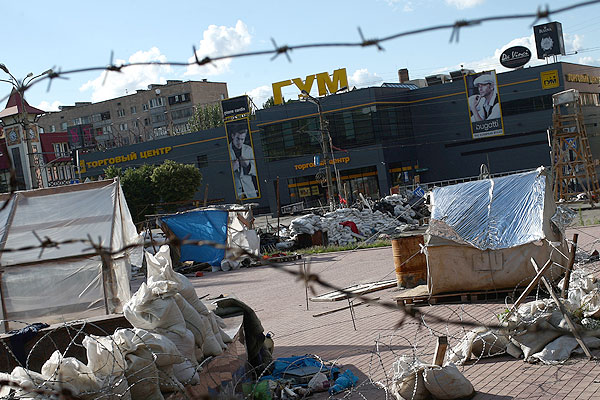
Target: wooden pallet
420 296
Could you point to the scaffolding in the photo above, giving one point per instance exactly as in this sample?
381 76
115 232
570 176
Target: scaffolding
573 167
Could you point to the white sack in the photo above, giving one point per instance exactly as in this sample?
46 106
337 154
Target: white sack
70 370
447 383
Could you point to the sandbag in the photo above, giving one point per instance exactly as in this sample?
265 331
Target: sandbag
142 375
201 327
560 349
146 311
407 382
70 370
185 372
104 355
447 382
30 380
165 352
167 381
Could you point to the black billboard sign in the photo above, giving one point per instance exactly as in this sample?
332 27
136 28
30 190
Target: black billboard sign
549 40
235 107
515 57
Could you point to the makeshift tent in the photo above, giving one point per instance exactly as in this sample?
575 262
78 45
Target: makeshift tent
70 280
482 234
229 225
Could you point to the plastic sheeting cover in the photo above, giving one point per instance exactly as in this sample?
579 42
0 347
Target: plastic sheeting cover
200 225
492 213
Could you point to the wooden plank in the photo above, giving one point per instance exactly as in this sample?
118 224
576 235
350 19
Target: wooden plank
586 350
565 288
417 291
440 351
529 287
342 308
355 290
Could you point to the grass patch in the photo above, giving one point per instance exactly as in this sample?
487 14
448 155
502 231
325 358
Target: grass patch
352 246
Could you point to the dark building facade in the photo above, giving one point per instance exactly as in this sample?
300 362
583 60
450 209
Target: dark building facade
381 137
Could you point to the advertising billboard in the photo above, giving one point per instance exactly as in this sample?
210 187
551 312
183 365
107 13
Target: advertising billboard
549 40
483 100
235 107
241 157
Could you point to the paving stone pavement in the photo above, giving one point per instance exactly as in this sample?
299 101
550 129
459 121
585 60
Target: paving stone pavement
384 333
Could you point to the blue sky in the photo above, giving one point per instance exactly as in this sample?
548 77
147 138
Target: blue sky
75 34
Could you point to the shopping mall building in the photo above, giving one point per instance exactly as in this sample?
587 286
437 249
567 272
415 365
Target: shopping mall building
397 134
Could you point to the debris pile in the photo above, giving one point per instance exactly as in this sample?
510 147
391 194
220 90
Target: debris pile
366 223
538 331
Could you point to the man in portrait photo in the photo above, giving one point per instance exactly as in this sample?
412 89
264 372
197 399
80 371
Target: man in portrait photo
242 160
484 104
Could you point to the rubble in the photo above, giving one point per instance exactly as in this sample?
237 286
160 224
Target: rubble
367 222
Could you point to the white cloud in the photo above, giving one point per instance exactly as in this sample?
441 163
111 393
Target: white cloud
364 78
130 78
220 41
462 4
407 5
45 106
588 61
260 94
572 44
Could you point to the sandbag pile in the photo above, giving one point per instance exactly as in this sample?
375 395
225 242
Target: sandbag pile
538 331
402 208
173 330
367 222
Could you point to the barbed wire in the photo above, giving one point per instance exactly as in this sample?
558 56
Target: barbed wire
455 27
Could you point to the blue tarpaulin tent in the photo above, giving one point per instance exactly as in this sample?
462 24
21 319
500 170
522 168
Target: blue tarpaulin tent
200 225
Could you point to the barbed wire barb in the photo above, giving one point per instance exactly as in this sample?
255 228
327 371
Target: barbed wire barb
280 50
370 42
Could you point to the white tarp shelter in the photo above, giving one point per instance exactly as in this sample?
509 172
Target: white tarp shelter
482 234
69 281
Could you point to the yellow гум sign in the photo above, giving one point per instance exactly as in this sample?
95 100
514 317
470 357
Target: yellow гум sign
325 84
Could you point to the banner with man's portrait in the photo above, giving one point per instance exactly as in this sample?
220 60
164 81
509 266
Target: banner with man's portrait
241 156
483 100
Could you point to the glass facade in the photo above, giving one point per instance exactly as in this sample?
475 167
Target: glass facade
360 126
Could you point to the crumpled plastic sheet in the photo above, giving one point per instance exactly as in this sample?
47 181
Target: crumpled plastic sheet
491 214
563 217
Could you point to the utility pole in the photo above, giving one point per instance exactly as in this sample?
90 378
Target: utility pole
324 148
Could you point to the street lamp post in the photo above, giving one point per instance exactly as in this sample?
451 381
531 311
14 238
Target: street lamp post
20 87
324 148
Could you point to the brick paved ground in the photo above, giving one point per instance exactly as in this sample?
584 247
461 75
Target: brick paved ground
369 351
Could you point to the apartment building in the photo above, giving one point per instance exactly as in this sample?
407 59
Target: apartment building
160 110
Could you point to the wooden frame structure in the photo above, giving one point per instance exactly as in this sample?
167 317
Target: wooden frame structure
573 167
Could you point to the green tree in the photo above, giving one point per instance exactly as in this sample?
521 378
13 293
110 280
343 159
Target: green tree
206 117
113 172
175 182
139 191
148 186
269 103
